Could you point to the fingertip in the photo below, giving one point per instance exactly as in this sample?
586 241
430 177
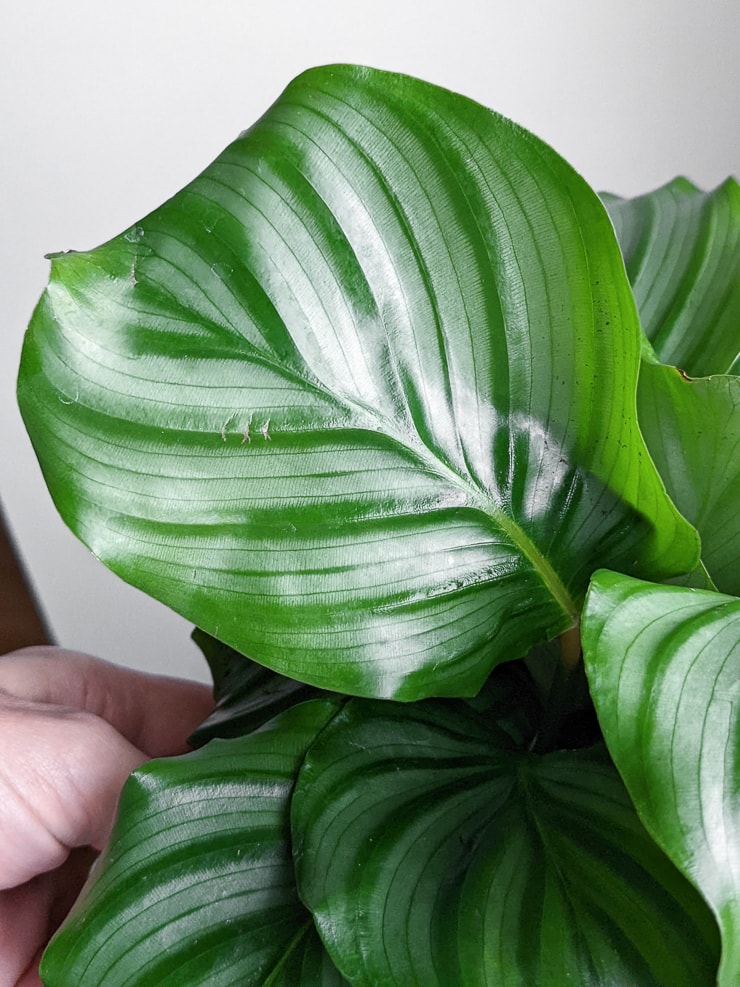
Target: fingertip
170 710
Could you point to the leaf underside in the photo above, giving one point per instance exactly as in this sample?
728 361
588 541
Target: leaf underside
359 401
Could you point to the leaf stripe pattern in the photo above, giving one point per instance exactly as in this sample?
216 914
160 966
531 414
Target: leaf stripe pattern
429 855
664 671
682 251
382 318
197 884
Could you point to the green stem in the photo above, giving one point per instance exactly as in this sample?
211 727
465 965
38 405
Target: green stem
560 700
297 939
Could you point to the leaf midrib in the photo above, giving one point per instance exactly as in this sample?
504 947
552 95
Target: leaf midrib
478 499
369 418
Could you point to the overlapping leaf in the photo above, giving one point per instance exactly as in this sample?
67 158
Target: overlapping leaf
692 429
197 885
664 668
432 852
359 401
682 251
247 694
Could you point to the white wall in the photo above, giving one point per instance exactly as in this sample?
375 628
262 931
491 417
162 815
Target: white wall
109 108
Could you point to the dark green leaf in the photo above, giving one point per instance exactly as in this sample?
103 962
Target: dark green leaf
692 429
197 886
359 401
682 251
247 694
431 854
510 699
664 668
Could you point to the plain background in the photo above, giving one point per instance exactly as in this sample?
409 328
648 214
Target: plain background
108 109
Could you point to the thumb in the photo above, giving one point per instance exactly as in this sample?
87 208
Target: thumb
72 729
60 778
156 713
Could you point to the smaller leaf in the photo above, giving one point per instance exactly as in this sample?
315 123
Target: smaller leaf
509 699
692 429
247 694
681 247
197 884
430 852
664 667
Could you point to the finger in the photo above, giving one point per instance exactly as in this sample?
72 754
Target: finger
31 977
23 921
30 915
156 713
60 777
66 884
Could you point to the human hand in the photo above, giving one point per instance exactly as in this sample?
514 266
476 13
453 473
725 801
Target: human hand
72 728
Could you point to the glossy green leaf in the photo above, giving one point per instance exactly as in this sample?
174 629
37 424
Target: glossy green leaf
692 429
681 248
359 401
197 886
664 668
247 694
432 853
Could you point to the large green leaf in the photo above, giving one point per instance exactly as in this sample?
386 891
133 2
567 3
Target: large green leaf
664 668
692 429
682 251
197 886
431 852
359 401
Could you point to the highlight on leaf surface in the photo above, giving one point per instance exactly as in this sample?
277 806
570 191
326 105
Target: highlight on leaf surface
359 400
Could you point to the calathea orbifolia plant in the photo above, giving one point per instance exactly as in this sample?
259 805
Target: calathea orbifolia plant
371 403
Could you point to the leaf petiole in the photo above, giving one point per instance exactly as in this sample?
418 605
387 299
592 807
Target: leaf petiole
564 694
